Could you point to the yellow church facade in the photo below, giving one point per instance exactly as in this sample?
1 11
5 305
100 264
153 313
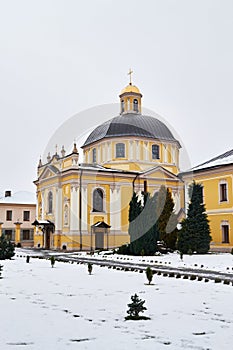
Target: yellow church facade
216 177
85 205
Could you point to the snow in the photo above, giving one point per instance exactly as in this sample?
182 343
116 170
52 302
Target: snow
20 197
212 261
224 159
66 308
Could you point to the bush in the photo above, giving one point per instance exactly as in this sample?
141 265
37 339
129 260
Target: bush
52 260
124 249
7 248
89 266
149 274
217 280
136 307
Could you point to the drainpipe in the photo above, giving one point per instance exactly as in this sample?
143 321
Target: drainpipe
80 207
133 183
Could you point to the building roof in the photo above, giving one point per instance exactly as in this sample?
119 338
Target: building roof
101 224
130 88
223 159
21 197
131 124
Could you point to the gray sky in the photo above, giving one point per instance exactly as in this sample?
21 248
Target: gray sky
60 57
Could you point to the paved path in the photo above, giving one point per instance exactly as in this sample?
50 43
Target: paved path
185 272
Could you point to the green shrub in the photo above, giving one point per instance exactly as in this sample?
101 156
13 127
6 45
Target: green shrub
52 260
89 267
135 308
7 248
149 274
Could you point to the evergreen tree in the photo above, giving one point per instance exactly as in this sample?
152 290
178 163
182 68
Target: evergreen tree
135 208
195 235
144 229
167 220
136 307
7 248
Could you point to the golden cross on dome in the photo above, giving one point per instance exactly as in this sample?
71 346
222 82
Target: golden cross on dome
130 76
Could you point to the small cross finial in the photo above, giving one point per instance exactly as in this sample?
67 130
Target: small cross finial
56 148
130 76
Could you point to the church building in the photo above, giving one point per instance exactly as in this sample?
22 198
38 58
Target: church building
85 205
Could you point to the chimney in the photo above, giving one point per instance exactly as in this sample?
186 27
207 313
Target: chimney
7 193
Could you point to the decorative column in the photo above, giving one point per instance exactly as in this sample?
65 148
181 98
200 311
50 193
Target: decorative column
17 231
115 208
1 223
58 215
98 160
137 151
130 150
84 208
74 209
109 151
43 204
146 151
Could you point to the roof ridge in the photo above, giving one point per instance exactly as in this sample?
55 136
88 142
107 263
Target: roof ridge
223 155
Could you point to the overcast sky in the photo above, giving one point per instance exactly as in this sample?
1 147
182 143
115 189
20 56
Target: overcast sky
60 57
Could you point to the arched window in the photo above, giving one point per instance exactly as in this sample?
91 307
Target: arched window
135 105
120 150
122 106
94 155
155 152
98 200
50 202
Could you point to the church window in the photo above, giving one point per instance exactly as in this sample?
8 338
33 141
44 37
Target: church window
225 233
50 202
223 192
98 200
120 150
122 106
155 152
94 155
135 105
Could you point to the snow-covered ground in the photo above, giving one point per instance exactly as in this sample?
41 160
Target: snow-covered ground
220 262
65 308
212 261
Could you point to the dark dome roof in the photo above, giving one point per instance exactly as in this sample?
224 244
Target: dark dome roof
131 124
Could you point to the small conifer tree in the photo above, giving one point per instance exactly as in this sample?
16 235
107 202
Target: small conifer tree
89 266
7 248
149 274
194 235
136 307
52 260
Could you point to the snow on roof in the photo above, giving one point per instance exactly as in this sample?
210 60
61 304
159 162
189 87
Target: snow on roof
223 159
20 197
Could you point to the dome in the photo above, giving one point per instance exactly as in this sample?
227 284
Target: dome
131 124
130 88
